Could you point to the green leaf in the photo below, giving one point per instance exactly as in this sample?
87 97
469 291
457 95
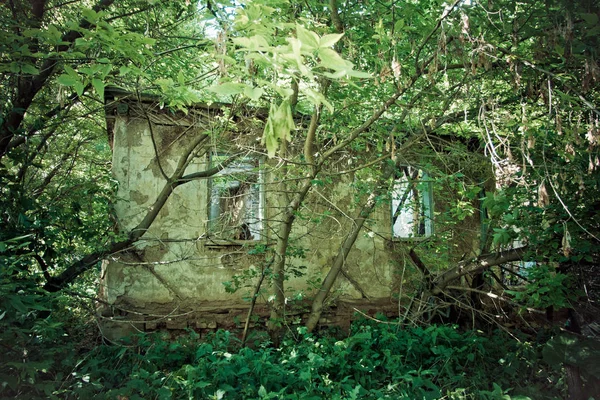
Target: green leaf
165 84
228 88
53 34
89 71
243 42
71 72
123 70
282 121
253 93
164 393
331 59
593 32
29 69
591 19
330 40
17 304
24 50
336 75
317 98
256 42
278 127
296 55
98 85
268 138
31 33
180 78
359 74
309 40
500 237
79 88
262 392
398 26
66 80
90 15
283 91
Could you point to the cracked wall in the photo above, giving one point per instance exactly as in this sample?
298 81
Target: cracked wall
174 276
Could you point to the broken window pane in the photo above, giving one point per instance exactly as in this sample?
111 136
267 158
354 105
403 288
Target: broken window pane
412 204
236 200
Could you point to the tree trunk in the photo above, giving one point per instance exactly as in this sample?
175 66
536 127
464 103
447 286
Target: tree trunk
285 227
574 383
340 260
283 234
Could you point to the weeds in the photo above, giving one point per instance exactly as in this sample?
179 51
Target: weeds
373 362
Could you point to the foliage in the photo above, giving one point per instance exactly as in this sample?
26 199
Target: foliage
571 349
545 288
39 347
512 86
374 361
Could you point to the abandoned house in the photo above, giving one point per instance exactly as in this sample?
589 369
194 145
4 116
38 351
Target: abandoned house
213 230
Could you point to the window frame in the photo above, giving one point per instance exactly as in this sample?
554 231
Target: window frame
424 187
216 235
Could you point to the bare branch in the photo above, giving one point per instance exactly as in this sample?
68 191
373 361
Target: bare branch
479 264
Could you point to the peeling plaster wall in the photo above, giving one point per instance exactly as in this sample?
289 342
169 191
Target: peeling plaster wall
169 269
173 278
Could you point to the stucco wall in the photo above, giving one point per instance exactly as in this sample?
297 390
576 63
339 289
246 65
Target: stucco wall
173 278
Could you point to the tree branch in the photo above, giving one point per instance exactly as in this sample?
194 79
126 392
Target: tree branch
29 87
437 26
419 263
74 270
335 16
479 264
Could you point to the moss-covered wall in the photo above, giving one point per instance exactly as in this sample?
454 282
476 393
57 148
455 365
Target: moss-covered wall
173 278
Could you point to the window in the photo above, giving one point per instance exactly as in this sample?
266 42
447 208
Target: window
511 272
523 265
236 201
412 204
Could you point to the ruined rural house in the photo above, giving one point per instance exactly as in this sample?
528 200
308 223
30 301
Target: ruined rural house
213 230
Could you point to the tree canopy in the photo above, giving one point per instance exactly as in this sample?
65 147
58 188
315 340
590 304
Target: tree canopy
497 100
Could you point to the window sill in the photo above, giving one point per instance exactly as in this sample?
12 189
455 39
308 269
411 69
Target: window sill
227 243
411 239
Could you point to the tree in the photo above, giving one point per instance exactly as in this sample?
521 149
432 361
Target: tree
57 61
510 83
454 66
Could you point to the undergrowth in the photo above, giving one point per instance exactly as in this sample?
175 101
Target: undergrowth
375 361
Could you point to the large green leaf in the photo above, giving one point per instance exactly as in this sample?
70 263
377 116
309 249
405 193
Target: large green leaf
228 88
278 127
331 59
66 80
29 69
255 43
330 40
253 93
309 39
98 85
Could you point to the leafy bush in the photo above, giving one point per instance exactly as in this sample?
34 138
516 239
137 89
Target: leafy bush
375 361
546 288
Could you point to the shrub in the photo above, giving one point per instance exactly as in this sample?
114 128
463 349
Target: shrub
375 361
